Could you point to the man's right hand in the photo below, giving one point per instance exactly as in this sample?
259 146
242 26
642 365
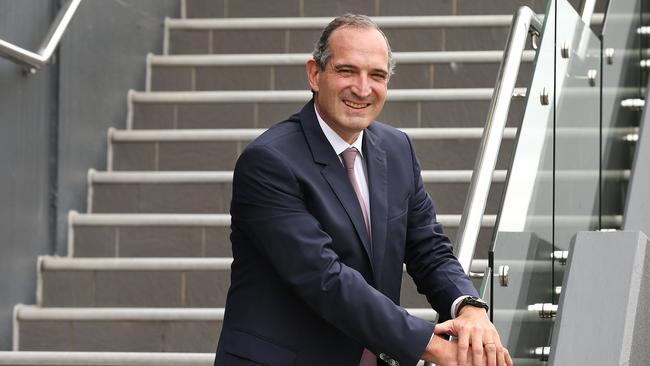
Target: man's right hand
445 353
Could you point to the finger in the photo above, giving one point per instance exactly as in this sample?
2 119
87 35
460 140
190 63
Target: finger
443 328
470 359
463 347
506 354
477 348
501 350
501 358
490 353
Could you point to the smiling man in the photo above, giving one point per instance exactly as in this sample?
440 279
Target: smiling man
327 207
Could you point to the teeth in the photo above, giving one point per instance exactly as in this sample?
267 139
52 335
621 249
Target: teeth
355 105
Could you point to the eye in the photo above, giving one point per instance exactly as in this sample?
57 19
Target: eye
379 76
345 72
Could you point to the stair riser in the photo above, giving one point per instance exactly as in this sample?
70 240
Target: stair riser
215 197
194 289
152 241
200 41
169 115
152 289
143 241
319 8
222 155
119 336
407 76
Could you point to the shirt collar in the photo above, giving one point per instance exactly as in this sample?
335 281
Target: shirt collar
338 144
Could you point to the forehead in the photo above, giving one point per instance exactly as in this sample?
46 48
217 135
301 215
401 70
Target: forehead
350 43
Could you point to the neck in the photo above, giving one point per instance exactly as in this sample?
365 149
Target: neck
348 136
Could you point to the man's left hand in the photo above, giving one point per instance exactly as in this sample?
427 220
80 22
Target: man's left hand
474 330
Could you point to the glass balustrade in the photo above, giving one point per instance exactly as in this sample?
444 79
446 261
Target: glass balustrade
569 170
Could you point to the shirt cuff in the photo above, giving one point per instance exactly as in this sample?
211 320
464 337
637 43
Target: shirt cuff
454 305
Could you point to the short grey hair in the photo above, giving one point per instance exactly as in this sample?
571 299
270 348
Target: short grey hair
322 52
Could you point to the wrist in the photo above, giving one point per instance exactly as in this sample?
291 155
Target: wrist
472 302
431 351
465 310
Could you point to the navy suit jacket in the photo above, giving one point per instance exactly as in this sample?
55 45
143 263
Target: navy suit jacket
308 285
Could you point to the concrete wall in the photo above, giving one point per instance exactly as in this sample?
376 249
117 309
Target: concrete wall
54 123
102 56
27 116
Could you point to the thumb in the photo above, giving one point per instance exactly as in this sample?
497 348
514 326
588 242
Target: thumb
445 328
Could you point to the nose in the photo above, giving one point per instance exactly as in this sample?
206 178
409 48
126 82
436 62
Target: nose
361 87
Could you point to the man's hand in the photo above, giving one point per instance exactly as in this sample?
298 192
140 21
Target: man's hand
443 352
474 330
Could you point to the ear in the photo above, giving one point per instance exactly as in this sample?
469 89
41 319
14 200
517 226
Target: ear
313 74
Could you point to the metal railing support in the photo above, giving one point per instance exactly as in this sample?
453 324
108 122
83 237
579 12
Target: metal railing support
33 61
525 20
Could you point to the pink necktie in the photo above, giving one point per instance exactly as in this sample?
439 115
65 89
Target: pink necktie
348 156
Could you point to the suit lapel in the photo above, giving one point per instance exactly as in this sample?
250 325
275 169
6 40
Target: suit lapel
334 173
378 191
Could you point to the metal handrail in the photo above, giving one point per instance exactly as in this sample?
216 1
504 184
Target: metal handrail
524 22
34 61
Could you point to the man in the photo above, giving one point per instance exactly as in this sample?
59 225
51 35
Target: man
327 207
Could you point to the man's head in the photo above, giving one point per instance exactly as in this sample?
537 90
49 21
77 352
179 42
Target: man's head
349 74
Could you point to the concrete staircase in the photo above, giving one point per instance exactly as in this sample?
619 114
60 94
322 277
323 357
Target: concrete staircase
148 264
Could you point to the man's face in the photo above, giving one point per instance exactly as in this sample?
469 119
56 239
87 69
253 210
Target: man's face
351 91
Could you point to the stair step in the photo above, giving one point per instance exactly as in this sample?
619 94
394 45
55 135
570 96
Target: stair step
263 108
414 33
210 192
309 8
116 329
124 329
199 150
179 235
418 70
151 283
43 358
133 282
148 235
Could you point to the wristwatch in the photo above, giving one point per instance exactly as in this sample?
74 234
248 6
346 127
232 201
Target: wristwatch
473 301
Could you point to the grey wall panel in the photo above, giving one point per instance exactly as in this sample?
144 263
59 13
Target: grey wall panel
102 56
637 210
26 112
603 317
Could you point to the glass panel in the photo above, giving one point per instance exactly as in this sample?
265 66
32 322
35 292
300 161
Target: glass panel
524 234
553 184
622 79
577 137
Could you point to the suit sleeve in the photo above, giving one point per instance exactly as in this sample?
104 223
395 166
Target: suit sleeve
269 204
429 254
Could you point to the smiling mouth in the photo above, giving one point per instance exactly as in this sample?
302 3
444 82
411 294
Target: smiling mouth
356 105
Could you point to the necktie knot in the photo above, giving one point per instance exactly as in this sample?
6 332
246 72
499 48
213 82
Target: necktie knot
348 156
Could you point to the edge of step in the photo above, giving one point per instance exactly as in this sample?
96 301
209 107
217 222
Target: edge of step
32 358
297 59
300 96
94 219
116 136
